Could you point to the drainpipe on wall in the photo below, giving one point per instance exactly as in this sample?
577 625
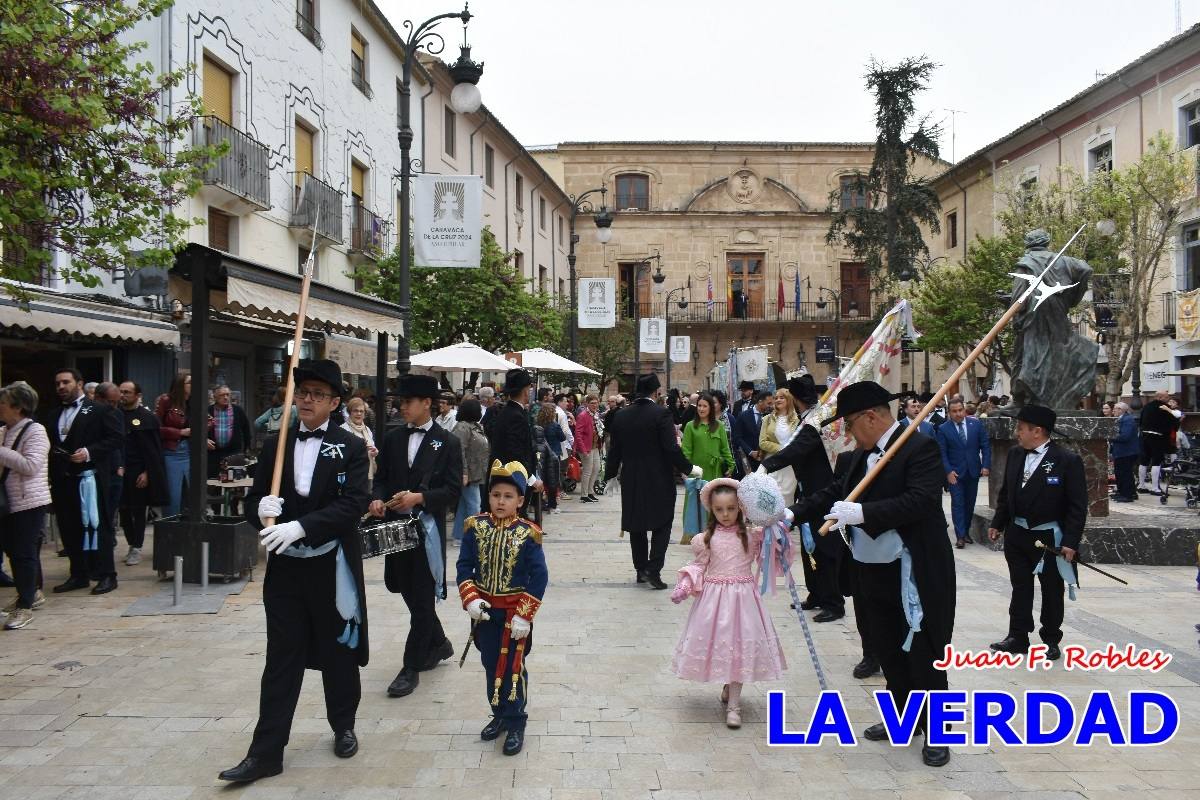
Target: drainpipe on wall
507 164
471 141
1058 169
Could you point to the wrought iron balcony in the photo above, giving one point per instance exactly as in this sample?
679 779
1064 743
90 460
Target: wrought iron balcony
1168 312
701 311
244 170
317 203
309 29
368 232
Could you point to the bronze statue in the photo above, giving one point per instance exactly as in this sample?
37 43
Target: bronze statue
1052 364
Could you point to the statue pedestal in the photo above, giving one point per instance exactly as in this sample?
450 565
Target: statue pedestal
1080 432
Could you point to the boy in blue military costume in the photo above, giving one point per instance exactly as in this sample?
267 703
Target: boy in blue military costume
501 579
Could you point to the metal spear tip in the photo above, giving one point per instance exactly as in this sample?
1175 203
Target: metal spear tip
1106 227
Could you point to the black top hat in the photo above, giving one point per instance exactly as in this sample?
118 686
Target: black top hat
647 384
515 380
803 389
417 386
746 385
1038 415
860 397
322 370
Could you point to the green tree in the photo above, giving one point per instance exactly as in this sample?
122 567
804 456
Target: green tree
89 164
606 350
490 306
885 230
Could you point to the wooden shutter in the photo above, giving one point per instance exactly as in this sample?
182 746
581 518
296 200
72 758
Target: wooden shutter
218 230
218 91
358 177
358 47
304 151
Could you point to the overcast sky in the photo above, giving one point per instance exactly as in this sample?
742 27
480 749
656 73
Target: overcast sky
789 70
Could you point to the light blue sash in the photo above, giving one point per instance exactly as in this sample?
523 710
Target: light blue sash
1064 567
345 589
807 538
693 512
89 510
884 549
433 553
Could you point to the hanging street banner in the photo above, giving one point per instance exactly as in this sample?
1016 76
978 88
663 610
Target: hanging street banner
597 303
681 349
447 220
653 335
824 349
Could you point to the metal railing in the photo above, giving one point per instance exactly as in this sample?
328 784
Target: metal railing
309 29
317 203
1168 311
244 170
698 311
368 231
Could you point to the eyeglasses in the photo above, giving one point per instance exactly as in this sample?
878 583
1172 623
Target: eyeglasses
851 420
309 394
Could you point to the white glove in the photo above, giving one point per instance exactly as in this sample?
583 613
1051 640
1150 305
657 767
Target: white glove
277 538
788 516
697 472
845 514
761 470
520 627
270 507
476 608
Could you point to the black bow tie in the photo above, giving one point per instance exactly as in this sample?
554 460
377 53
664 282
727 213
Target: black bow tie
1032 452
304 436
71 404
877 451
416 429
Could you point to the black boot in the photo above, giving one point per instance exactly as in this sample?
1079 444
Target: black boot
404 684
513 742
866 668
492 730
1011 644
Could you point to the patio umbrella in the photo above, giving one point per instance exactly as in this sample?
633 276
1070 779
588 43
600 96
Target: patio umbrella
462 356
539 358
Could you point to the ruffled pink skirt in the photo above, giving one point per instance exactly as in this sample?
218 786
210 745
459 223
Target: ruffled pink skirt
728 637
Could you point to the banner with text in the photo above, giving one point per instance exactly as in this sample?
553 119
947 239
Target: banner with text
447 220
653 335
681 349
597 303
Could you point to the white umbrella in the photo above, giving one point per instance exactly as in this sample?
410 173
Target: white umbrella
1189 372
462 356
539 358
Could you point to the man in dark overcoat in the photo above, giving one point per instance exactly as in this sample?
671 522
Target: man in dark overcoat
510 432
145 480
896 525
643 448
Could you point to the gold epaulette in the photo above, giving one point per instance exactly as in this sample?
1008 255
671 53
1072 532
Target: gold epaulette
535 532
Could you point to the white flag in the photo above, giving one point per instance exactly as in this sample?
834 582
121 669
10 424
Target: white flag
447 220
597 303
653 335
681 349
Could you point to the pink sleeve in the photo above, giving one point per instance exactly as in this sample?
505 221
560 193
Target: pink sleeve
696 568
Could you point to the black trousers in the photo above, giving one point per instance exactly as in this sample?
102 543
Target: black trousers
1022 556
417 588
887 629
21 534
90 564
822 582
1123 470
650 555
487 637
302 628
133 513
858 603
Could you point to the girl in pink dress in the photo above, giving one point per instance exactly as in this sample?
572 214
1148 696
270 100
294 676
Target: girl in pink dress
728 636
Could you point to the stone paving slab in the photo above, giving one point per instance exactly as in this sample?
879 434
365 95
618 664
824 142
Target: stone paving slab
99 705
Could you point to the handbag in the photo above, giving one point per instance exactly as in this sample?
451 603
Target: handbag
4 505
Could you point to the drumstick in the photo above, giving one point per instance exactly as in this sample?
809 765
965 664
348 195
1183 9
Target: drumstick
390 505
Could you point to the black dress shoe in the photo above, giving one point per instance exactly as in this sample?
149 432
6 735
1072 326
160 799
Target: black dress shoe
876 733
655 582
513 742
641 576
829 615
251 769
1053 653
960 544
62 553
345 744
935 756
866 668
1011 644
808 604
492 730
440 653
106 585
71 584
404 684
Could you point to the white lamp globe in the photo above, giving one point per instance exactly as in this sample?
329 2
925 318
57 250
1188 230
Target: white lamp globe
604 235
465 98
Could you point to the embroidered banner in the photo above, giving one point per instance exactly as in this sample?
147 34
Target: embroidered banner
1187 316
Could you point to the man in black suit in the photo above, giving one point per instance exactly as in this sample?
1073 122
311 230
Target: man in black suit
510 436
747 398
896 523
313 592
746 429
851 584
642 447
145 479
805 455
1043 499
83 437
419 469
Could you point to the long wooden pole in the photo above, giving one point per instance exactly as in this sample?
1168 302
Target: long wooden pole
953 380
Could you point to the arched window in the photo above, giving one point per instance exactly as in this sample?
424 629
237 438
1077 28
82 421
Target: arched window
633 192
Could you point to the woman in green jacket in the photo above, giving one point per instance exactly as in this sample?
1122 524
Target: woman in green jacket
705 442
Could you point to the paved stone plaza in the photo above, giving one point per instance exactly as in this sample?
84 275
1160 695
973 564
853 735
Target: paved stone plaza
95 704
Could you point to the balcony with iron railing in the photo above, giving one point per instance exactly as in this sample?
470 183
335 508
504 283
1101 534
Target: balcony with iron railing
243 172
701 311
309 29
1168 312
368 233
316 203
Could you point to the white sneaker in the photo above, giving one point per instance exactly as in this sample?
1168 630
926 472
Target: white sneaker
133 557
19 618
39 600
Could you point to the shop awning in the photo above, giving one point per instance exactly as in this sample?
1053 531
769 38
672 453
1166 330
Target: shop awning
46 313
254 290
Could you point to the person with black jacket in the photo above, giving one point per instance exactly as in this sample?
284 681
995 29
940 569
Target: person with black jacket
1157 423
145 473
419 467
510 434
1043 500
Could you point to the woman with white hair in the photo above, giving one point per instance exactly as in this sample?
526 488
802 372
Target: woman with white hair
24 450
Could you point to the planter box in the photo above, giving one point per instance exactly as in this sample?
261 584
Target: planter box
232 546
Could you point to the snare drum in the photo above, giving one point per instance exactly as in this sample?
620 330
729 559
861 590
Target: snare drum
391 536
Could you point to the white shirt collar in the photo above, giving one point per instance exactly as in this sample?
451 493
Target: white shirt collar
324 426
423 428
887 436
1039 450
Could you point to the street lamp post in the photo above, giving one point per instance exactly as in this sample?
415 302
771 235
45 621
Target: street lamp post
464 99
907 276
667 320
603 221
658 277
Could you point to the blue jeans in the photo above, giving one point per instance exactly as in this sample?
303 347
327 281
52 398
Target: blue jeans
962 504
178 464
468 506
